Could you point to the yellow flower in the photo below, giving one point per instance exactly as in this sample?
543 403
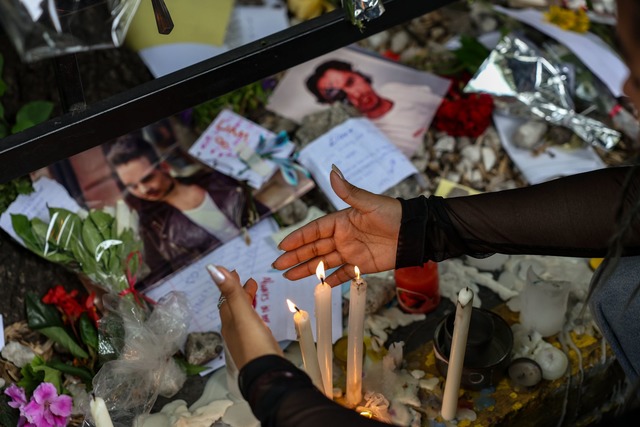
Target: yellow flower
308 9
568 19
582 22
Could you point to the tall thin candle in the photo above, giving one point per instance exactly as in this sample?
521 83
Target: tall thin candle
324 341
464 308
355 339
307 346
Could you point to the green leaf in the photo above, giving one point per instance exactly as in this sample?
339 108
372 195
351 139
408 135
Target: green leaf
88 332
62 337
3 132
22 226
31 378
83 373
102 221
91 236
31 114
41 315
8 415
66 228
51 375
187 367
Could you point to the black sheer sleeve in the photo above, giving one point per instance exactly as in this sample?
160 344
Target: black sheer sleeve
571 216
282 395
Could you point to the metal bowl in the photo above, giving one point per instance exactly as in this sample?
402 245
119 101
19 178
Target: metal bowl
488 351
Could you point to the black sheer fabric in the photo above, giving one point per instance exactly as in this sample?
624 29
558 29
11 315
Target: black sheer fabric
281 395
573 216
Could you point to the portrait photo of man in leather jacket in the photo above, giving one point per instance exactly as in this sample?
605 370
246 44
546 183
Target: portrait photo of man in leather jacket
180 218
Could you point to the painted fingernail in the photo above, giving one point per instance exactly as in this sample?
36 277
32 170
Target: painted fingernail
338 171
216 274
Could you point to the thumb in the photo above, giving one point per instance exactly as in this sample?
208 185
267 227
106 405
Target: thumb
228 283
353 196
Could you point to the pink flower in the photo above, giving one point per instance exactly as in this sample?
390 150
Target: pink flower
17 395
46 408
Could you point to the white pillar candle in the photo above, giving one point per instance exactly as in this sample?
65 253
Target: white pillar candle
355 339
464 308
99 412
324 341
307 346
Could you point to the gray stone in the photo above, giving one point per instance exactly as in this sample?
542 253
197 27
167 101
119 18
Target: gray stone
529 134
18 354
399 41
202 347
293 213
317 124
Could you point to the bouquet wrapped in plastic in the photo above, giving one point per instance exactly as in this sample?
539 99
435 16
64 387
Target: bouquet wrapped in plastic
137 337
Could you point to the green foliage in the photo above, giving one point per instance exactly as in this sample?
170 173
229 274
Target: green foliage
91 246
46 319
8 415
10 191
242 101
37 372
187 367
467 58
28 115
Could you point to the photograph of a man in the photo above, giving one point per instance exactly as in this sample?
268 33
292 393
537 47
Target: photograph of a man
399 100
180 217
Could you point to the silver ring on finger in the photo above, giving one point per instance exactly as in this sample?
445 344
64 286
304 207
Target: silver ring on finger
221 301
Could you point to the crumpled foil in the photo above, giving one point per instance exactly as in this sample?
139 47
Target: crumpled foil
363 10
525 83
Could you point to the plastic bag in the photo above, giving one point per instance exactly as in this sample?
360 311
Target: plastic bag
41 29
144 367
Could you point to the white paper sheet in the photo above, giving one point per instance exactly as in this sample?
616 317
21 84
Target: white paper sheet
250 261
2 342
553 163
591 50
364 155
46 193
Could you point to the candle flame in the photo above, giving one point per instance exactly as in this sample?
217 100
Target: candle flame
366 414
292 306
357 270
320 271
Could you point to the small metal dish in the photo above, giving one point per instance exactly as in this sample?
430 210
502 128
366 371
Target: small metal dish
488 351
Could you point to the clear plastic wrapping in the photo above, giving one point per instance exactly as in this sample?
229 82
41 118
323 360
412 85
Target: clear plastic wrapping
41 29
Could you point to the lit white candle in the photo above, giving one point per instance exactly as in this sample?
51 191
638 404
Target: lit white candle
307 346
324 341
456 357
99 412
355 339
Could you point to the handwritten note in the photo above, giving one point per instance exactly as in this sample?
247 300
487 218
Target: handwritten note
250 261
364 155
229 145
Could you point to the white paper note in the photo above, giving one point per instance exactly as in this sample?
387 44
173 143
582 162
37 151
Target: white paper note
250 261
591 50
554 162
364 155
